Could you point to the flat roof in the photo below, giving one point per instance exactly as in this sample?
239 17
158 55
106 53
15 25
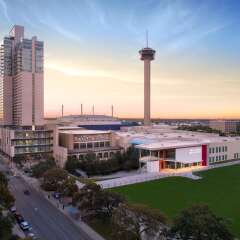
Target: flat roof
167 145
83 132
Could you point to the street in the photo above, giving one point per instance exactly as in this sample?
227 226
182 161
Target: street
47 221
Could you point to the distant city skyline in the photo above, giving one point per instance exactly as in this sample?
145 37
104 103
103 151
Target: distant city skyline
91 55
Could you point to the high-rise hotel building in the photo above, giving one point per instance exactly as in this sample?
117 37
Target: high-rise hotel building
22 95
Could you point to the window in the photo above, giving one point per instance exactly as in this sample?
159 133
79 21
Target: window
216 158
101 144
210 150
96 144
89 145
219 149
99 155
216 149
105 155
222 157
111 154
223 149
76 145
107 144
226 148
82 145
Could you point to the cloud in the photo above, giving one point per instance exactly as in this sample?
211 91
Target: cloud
74 72
4 8
53 24
97 12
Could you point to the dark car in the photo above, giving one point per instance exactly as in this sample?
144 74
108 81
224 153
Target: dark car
19 217
56 195
26 192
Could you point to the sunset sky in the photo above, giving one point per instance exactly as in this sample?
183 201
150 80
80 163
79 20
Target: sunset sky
91 54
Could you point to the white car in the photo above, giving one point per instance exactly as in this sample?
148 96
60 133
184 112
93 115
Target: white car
13 209
24 225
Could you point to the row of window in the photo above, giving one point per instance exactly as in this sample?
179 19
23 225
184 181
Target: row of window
218 149
99 155
217 158
32 149
31 142
91 145
236 155
32 134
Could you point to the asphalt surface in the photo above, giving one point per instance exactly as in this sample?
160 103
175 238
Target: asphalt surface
47 222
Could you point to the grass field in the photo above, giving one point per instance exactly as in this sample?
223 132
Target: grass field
219 188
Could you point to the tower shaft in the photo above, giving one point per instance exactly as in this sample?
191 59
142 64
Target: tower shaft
147 92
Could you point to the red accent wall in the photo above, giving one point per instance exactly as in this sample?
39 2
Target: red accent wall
204 155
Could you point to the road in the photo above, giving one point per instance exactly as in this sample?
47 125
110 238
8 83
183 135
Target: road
47 221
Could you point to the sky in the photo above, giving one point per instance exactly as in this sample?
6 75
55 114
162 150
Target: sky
91 54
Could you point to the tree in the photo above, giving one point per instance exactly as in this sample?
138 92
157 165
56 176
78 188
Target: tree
5 228
6 198
3 179
68 187
72 164
135 221
52 178
92 199
39 169
19 159
199 223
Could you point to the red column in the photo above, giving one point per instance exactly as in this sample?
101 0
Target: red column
204 155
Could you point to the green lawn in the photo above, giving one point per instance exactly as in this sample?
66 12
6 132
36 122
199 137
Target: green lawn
219 188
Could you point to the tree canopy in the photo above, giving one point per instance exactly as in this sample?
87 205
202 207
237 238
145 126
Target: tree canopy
200 223
92 199
53 177
136 222
39 169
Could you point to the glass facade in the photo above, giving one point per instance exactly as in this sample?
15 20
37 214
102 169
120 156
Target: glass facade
32 141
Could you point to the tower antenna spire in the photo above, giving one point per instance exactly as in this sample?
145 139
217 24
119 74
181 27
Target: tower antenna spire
147 38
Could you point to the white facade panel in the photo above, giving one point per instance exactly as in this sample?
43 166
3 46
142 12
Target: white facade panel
189 155
153 166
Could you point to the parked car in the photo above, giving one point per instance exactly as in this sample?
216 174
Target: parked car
13 209
19 217
56 195
26 192
24 226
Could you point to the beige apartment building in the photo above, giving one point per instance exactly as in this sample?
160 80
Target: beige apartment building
22 96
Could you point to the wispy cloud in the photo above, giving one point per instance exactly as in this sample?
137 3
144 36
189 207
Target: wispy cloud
97 12
52 23
75 72
4 8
